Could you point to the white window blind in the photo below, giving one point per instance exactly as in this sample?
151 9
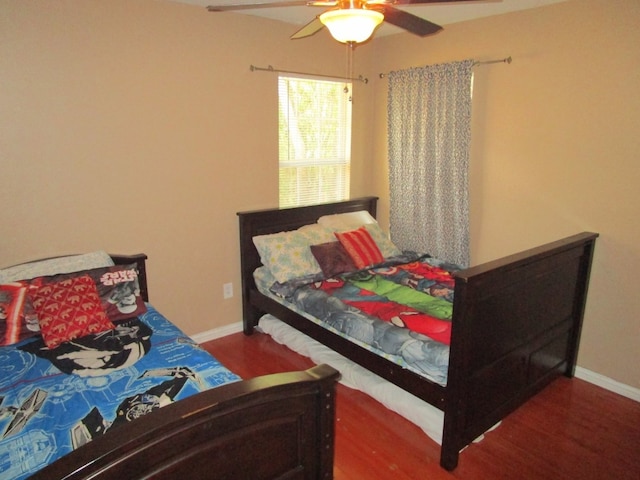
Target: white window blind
314 140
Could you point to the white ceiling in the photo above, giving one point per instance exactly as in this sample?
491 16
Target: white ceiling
439 13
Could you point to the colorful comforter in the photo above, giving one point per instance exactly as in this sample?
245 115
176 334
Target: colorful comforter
401 309
53 401
415 295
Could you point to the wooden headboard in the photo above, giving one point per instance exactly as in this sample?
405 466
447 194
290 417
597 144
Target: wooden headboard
138 258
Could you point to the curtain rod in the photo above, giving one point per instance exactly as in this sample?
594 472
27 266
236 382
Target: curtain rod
253 68
502 60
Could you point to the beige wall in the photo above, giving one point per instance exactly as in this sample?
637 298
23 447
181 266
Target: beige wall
138 126
555 148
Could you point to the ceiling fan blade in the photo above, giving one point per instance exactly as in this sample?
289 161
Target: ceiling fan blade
311 28
411 23
251 6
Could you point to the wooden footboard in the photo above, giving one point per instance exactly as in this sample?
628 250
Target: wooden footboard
276 426
516 324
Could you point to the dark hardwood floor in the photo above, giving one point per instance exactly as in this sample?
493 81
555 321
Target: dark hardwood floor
571 430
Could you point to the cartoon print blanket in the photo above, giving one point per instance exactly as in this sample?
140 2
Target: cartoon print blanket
401 309
415 295
53 401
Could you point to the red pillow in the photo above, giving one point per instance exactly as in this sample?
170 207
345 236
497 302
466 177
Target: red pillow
69 309
17 320
118 288
361 247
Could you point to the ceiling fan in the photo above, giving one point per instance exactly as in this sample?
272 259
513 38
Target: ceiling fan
351 21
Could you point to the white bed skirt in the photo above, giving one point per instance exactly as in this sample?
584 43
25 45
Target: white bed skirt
424 415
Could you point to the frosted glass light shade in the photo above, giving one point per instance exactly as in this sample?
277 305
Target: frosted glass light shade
351 24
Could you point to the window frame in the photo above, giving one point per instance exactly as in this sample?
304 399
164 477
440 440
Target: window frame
320 157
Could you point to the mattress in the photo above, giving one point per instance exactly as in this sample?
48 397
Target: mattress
426 416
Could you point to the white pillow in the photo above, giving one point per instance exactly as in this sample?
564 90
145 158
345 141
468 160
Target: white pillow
346 221
53 266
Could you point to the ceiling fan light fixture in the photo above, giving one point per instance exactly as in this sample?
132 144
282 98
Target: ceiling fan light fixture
351 24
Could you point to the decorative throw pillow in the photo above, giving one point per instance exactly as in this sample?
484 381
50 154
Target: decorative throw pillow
17 317
361 247
332 258
344 222
69 309
118 288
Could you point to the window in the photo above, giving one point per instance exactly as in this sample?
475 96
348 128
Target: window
314 140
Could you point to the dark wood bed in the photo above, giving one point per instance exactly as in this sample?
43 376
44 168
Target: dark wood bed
271 427
516 324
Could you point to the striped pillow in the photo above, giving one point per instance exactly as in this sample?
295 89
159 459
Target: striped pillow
361 247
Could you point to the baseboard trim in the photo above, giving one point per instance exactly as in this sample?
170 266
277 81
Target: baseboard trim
581 373
608 383
216 333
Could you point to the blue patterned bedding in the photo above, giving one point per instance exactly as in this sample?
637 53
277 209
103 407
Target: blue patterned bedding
53 401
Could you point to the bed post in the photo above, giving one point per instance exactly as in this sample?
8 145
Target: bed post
584 274
249 261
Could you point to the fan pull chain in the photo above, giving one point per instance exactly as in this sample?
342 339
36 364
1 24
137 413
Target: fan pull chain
350 46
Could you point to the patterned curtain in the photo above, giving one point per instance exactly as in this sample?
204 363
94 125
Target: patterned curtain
429 125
